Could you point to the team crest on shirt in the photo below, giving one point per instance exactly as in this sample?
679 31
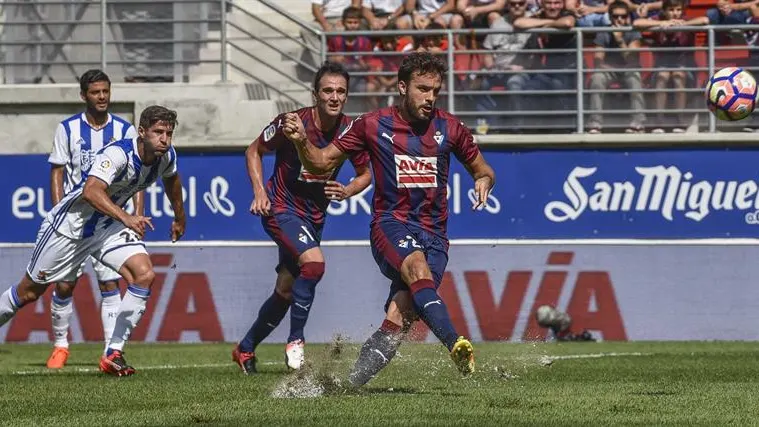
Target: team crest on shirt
269 132
415 172
438 137
105 164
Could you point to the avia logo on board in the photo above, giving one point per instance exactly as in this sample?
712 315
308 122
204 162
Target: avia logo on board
592 304
190 307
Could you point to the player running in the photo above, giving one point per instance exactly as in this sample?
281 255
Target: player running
76 141
292 207
409 147
90 221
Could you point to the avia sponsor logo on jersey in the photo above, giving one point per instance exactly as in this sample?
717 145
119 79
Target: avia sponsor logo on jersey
669 191
415 172
307 176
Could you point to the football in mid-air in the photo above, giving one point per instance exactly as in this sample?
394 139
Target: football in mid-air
545 315
731 93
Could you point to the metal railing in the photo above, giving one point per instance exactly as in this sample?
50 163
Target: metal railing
144 40
567 109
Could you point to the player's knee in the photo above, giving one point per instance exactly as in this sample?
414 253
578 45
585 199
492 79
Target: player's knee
64 290
312 270
29 292
144 278
415 268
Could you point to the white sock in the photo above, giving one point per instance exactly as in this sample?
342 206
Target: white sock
109 309
130 312
9 304
61 311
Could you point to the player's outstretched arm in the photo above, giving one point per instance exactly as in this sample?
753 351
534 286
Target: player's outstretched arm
484 179
94 193
314 159
261 204
173 187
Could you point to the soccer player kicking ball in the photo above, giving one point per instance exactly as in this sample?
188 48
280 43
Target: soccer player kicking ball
90 221
409 147
76 141
292 207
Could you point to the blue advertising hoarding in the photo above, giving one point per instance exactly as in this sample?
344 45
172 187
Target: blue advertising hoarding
541 194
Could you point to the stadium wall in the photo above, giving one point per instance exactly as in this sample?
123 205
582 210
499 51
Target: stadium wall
636 244
211 115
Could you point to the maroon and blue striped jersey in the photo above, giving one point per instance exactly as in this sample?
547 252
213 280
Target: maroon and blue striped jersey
410 163
291 188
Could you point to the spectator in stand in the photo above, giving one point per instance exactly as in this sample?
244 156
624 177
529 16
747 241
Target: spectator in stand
345 44
619 13
590 13
475 14
671 16
728 13
380 13
506 44
422 12
384 62
435 43
328 14
554 15
327 17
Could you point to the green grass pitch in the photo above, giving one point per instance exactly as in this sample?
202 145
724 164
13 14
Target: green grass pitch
684 383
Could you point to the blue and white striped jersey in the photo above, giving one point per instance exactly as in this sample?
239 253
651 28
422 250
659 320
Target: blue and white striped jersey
76 143
118 165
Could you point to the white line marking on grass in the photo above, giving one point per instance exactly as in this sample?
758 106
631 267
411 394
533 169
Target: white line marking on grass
80 370
547 360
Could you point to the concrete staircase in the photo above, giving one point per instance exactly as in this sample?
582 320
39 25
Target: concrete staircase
272 67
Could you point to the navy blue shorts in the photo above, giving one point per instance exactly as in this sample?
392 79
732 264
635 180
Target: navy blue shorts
293 236
392 241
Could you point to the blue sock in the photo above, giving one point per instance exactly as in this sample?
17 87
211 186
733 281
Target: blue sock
271 313
433 311
304 289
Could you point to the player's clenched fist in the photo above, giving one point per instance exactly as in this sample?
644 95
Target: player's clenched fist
261 205
293 128
139 224
335 191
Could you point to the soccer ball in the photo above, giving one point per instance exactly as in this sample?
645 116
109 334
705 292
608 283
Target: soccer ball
545 315
731 93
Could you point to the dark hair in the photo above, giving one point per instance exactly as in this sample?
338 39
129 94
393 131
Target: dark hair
158 113
619 4
421 63
351 12
668 4
330 68
91 76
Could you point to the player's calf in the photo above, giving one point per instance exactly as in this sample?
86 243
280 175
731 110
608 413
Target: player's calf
17 296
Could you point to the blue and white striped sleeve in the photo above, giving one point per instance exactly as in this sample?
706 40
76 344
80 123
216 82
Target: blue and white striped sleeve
109 163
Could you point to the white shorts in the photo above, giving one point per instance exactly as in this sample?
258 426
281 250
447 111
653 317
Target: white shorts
57 258
102 271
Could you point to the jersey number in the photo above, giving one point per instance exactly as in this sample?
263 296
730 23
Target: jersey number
128 236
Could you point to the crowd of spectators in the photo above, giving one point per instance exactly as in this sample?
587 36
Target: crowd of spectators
508 79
